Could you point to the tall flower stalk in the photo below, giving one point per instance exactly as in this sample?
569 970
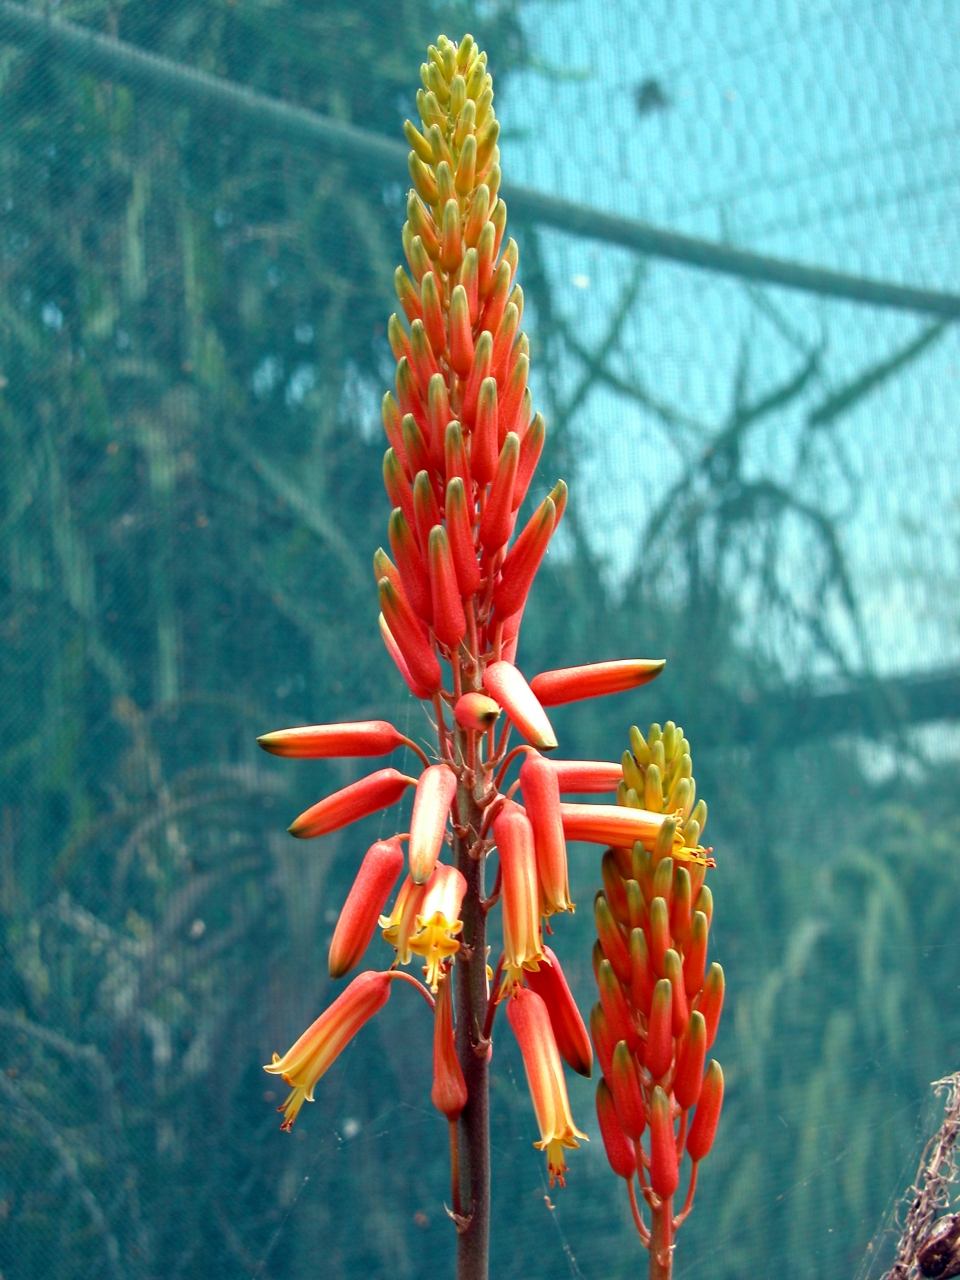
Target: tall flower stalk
464 448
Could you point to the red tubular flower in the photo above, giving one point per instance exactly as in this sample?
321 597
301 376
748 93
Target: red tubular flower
521 919
615 1007
485 448
707 1115
568 1029
496 522
603 1039
531 447
527 1015
399 342
523 560
592 681
610 824
470 281
659 935
454 458
393 649
408 295
460 535
416 443
422 359
368 895
438 921
433 313
664 1167
476 711
392 426
449 621
406 630
320 1045
611 939
503 341
680 907
621 1152
504 682
479 370
436 789
438 412
325 741
587 777
674 972
413 572
642 978
695 956
449 1091
374 792
625 1087
710 1002
497 300
397 485
691 1053
408 397
659 1052
615 889
426 513
513 396
461 336
541 798
511 637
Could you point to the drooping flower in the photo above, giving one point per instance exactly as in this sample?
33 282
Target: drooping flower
368 895
449 1091
520 900
528 1016
436 789
324 1040
569 1032
541 798
438 921
707 1115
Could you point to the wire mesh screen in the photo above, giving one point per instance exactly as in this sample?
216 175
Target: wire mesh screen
764 490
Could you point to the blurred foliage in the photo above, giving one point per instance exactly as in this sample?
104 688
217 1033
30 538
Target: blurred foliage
192 351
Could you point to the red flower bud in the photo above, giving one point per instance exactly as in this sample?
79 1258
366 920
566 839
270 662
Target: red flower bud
585 777
476 711
402 622
399 342
433 313
415 443
570 684
485 449
449 621
376 791
408 397
523 560
497 300
710 1001
425 509
568 1029
642 978
413 572
660 1030
621 1152
625 1087
511 402
680 907
449 1091
504 682
436 789
451 248
695 956
477 217
496 523
329 741
659 935
470 279
664 1167
368 895
422 224
486 256
408 294
461 336
673 971
603 1040
707 1115
454 455
691 1052
438 415
615 1007
398 486
611 938
400 662
394 431
541 798
614 888
531 446
460 535
518 866
422 359
479 369
503 341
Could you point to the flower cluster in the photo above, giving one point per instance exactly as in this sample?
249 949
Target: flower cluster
659 1005
464 448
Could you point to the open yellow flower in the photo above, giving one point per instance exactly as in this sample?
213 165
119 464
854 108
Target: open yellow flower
439 921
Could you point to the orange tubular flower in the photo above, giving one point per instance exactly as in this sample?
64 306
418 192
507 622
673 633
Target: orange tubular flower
374 792
621 1152
319 1046
436 789
521 923
664 1171
541 798
568 1029
571 684
438 921
625 1086
406 630
707 1116
324 741
449 621
367 897
504 682
587 777
523 560
610 824
691 1053
400 662
449 1091
528 1016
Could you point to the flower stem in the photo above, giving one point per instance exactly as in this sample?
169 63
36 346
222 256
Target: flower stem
661 1241
471 993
